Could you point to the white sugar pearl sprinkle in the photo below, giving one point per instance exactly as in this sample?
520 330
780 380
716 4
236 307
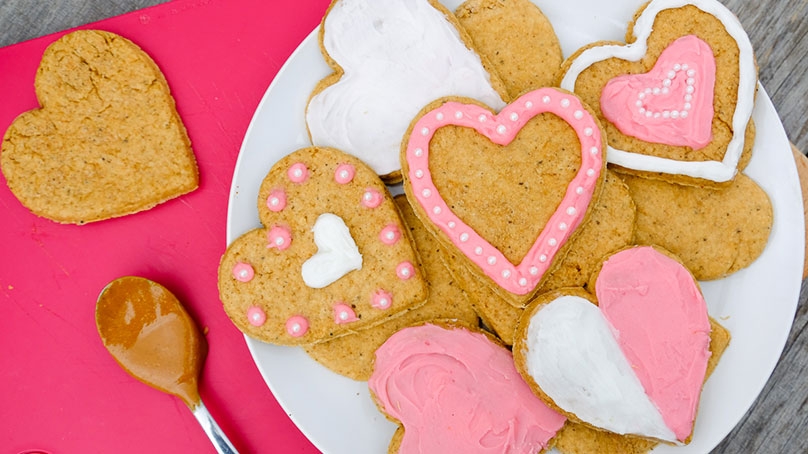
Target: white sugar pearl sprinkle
452 224
426 193
437 210
565 103
546 100
571 211
522 282
579 190
562 226
502 129
419 152
506 274
514 116
542 258
482 118
492 260
552 241
590 172
535 271
419 173
529 105
578 114
458 114
588 132
464 237
439 116
593 150
478 250
424 131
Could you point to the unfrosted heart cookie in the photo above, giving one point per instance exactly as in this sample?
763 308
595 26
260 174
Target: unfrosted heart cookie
455 389
506 190
676 101
714 232
332 258
630 359
390 58
107 140
516 38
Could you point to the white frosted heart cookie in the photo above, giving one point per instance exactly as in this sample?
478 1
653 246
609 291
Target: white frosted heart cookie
676 100
332 258
390 58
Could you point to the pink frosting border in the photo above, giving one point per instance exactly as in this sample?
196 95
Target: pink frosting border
501 129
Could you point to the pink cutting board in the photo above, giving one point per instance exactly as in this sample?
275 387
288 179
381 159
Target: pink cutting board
60 391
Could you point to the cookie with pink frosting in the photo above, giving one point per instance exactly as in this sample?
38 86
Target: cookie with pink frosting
333 256
454 388
676 100
506 190
628 356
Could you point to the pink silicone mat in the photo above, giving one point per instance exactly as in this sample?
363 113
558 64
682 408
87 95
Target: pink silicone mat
60 391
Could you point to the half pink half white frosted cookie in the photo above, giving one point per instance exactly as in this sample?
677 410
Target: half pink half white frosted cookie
455 389
630 359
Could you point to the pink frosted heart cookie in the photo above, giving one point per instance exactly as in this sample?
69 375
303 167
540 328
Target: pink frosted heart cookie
506 190
676 101
332 258
455 389
390 58
630 359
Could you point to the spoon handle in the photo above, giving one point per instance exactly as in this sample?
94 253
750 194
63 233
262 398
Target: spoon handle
213 431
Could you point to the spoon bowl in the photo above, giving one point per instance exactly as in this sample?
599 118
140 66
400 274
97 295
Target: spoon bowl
152 337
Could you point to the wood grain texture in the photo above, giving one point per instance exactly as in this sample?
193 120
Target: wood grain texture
778 30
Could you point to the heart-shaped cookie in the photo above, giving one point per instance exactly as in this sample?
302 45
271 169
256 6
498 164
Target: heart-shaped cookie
390 58
507 190
455 389
333 256
107 140
674 120
630 359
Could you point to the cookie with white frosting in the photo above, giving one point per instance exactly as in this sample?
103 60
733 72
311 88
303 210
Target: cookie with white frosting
390 58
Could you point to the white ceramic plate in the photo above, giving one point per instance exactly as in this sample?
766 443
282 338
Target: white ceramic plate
756 304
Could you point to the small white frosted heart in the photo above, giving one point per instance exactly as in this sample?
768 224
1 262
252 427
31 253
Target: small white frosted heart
336 256
574 358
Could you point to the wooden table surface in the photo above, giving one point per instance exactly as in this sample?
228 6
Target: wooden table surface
778 30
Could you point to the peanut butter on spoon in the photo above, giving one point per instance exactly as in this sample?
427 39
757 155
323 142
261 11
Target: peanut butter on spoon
152 337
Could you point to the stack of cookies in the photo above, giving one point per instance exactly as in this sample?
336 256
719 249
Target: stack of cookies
536 284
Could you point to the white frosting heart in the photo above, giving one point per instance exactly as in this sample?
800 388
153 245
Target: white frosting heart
576 361
397 56
336 256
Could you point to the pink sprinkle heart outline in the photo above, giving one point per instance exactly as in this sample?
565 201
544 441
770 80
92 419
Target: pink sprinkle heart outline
501 129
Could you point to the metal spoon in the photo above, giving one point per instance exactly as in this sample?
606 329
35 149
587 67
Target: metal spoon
152 337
